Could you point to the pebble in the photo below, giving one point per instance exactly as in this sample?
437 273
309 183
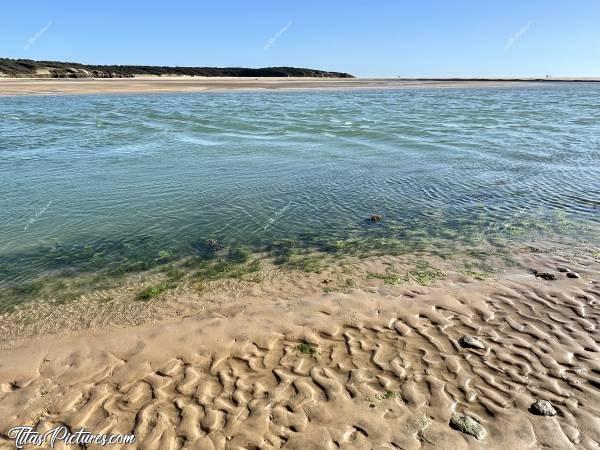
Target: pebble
468 426
542 408
544 275
471 342
563 269
573 275
212 245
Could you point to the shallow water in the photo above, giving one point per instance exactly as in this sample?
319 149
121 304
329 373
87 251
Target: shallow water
99 181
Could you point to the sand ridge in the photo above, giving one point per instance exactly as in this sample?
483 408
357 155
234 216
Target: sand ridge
376 366
40 86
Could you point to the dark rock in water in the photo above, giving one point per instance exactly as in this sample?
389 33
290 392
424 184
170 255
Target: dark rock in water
471 342
468 426
573 275
542 408
563 269
545 275
212 245
376 218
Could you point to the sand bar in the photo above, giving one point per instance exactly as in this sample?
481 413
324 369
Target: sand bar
41 86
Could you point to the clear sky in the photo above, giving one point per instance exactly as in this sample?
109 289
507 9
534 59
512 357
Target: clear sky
365 38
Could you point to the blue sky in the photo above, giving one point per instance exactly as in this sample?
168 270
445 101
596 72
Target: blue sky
365 38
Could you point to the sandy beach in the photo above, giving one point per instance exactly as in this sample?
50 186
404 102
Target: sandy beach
40 86
392 270
262 226
344 358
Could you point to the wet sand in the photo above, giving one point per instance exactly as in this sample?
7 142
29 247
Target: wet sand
314 361
40 86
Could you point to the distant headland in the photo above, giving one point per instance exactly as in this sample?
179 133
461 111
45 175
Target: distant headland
27 68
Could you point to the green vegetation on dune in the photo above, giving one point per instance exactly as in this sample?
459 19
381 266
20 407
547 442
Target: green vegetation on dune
56 69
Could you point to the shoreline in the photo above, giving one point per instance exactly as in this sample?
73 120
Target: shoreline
48 86
293 361
165 296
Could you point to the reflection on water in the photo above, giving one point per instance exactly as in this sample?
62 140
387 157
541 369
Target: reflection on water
120 183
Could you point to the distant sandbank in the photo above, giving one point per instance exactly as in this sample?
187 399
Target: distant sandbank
45 86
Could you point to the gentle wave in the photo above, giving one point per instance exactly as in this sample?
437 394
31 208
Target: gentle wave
185 168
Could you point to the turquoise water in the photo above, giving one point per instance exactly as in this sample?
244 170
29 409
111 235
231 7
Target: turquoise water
103 182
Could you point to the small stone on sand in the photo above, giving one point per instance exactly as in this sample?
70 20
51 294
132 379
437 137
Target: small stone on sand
471 342
542 408
573 275
468 426
563 269
545 275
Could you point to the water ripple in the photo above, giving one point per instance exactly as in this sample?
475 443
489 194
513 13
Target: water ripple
253 167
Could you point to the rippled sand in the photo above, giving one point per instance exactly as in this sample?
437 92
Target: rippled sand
313 361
